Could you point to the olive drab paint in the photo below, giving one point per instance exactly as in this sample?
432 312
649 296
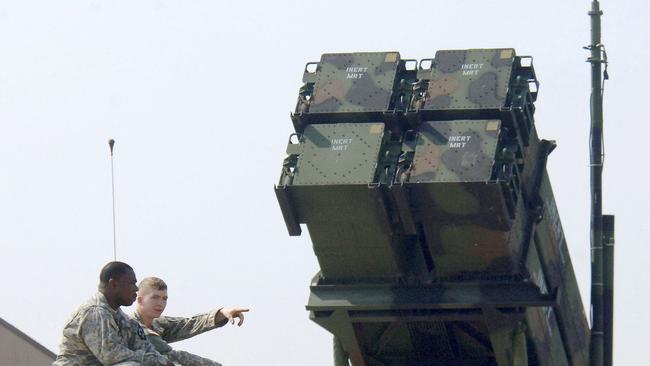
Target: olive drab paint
425 194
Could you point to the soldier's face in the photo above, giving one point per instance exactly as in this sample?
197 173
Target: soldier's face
152 304
125 288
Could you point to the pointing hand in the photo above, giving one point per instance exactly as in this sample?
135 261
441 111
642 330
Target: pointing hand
232 313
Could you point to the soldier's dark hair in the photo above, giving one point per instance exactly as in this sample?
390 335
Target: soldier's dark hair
151 283
113 270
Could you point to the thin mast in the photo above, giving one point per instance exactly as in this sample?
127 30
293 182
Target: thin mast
111 143
596 351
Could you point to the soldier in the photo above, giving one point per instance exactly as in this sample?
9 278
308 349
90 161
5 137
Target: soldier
99 333
151 302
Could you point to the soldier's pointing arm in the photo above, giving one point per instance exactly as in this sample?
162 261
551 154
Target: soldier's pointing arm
99 332
176 329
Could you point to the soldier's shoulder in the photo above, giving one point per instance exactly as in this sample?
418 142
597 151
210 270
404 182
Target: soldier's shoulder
95 301
94 314
88 306
92 310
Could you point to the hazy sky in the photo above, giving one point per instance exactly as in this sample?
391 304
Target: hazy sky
197 95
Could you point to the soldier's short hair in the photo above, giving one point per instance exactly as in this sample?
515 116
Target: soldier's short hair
151 283
113 270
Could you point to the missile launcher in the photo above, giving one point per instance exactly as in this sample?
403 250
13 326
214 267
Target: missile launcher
424 190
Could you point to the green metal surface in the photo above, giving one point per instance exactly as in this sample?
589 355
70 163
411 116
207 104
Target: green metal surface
343 153
468 79
340 356
362 245
434 226
460 205
359 82
455 151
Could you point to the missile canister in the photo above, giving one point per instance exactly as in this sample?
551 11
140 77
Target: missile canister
425 194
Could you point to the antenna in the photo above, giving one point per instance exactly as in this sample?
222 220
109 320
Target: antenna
602 226
111 143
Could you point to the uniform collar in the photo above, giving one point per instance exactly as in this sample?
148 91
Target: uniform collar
138 317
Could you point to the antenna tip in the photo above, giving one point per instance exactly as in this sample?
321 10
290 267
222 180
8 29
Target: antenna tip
111 143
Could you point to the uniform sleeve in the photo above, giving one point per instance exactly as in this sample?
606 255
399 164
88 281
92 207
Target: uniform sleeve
100 334
189 359
176 329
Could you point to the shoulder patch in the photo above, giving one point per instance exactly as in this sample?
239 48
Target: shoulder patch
141 333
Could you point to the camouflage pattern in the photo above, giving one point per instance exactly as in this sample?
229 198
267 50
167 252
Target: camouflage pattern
476 84
542 322
555 270
560 275
183 358
172 329
350 82
335 163
97 335
338 154
453 186
436 230
455 151
466 79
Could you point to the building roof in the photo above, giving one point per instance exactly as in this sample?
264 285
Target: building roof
26 338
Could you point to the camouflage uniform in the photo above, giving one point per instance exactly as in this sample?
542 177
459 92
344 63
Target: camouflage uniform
171 329
97 335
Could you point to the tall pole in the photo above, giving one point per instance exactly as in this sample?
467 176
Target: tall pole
608 297
111 143
596 351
